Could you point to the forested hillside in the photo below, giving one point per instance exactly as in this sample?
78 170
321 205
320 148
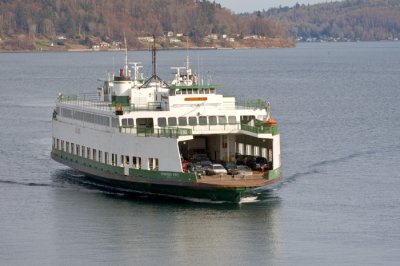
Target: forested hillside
365 20
28 24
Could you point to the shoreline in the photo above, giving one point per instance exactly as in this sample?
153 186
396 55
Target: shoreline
80 50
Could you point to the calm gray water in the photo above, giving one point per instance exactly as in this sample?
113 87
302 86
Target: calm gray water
338 106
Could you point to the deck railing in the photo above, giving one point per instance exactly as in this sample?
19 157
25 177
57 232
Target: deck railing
157 132
261 129
90 100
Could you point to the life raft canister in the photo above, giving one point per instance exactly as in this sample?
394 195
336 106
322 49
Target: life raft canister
270 122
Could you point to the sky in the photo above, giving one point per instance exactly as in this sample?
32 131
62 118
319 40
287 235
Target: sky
240 6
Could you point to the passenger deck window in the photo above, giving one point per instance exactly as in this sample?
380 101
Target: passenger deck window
162 122
182 121
124 122
193 121
232 119
106 157
172 121
222 120
212 120
202 120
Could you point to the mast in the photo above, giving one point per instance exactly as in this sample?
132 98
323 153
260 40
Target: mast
126 56
154 59
154 77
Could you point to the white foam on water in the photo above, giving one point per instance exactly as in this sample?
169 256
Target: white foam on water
251 199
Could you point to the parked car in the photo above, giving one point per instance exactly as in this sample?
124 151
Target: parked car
243 170
216 169
230 167
205 163
244 159
257 162
196 168
198 157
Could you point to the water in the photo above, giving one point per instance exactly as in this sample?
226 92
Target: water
338 110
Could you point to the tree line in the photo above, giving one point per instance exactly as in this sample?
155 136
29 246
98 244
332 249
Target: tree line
364 20
111 19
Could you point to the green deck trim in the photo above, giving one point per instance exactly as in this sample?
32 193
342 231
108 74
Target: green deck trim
274 130
272 174
163 175
164 132
257 103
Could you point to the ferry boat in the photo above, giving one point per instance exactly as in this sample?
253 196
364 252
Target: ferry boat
141 134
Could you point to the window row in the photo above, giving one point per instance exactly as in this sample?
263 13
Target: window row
186 121
194 120
247 149
104 157
86 117
193 91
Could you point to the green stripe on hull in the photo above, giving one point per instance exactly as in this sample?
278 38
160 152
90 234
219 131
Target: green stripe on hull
220 194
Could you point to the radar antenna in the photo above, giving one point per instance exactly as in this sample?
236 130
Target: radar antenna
154 77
